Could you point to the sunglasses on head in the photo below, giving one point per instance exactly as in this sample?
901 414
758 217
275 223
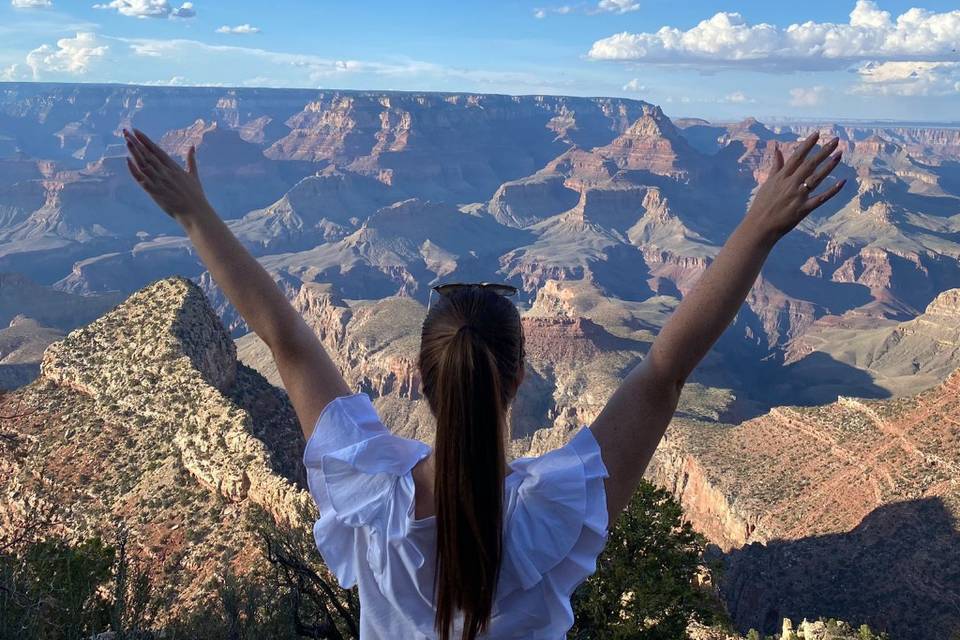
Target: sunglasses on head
498 288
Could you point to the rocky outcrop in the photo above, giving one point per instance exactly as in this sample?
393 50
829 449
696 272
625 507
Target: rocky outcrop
724 523
164 430
442 142
166 344
520 203
651 144
401 248
375 345
903 357
680 271
821 509
320 208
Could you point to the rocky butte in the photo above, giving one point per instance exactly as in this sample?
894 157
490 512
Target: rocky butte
146 417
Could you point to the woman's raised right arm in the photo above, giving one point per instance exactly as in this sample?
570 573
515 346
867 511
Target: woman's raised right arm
635 418
309 375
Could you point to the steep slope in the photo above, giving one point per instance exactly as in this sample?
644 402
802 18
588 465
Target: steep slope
905 357
578 345
458 147
237 177
145 417
65 195
320 208
846 510
652 144
570 246
401 249
523 202
21 349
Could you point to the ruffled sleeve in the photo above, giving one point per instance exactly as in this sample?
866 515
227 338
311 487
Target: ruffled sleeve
557 524
353 468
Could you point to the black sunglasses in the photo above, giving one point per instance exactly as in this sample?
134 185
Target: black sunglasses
498 288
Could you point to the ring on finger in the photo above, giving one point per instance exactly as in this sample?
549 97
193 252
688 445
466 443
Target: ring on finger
805 186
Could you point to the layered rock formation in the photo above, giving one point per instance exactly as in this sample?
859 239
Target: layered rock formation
846 510
157 381
781 495
600 175
651 144
440 144
903 357
602 211
145 417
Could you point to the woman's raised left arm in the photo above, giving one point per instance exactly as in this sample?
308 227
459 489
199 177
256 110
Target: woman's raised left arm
636 416
310 376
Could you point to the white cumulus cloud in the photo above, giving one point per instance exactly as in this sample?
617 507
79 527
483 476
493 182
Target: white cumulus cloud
149 8
738 97
727 39
14 72
543 12
618 6
603 6
240 29
70 55
913 78
31 4
807 96
635 85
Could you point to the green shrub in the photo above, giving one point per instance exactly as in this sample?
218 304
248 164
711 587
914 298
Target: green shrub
53 590
645 587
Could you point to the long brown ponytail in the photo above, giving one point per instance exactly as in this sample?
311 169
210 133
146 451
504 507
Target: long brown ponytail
471 359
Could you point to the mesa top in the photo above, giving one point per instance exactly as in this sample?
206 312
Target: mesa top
554 527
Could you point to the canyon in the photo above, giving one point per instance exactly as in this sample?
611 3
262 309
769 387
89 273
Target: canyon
815 447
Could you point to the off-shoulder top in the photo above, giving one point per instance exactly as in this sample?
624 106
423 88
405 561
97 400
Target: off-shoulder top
555 525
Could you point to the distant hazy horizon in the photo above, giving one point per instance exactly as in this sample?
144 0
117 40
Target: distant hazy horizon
890 60
769 119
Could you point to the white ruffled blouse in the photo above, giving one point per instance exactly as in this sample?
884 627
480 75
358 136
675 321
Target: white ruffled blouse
555 525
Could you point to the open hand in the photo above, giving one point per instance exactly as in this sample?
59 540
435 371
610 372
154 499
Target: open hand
177 191
784 199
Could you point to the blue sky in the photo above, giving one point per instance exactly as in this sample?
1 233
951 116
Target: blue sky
865 59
